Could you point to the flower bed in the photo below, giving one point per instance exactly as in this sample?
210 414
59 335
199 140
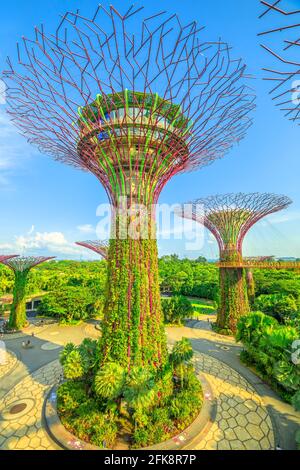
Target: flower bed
110 407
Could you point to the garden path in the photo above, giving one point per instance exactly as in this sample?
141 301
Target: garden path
249 415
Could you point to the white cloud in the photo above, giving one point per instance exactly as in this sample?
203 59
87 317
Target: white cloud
53 243
86 228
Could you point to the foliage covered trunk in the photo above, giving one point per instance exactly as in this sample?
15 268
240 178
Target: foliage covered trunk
17 319
133 329
233 302
250 286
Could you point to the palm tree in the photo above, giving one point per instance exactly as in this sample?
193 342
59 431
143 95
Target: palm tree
182 352
109 382
139 391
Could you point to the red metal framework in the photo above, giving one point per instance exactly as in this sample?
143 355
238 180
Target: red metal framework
230 216
4 258
286 79
24 263
98 246
133 100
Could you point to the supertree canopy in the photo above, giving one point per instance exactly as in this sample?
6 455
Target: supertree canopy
21 266
283 45
98 246
229 217
134 101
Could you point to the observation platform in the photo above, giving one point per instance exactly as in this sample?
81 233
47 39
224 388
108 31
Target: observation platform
259 264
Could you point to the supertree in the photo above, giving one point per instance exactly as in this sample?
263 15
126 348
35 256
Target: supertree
134 107
229 217
98 246
286 78
21 266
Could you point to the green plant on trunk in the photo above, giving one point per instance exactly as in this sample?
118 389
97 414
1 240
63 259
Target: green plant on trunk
233 302
17 318
133 331
250 286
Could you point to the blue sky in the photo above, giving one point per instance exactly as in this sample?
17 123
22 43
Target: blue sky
45 206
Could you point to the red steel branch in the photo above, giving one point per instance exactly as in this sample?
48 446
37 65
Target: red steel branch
286 89
98 246
4 258
58 76
24 263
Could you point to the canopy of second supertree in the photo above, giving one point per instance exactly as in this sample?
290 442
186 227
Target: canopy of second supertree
98 246
230 216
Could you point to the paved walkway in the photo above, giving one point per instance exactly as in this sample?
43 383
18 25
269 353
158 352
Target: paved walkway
249 414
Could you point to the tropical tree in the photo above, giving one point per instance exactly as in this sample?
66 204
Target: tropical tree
109 382
139 392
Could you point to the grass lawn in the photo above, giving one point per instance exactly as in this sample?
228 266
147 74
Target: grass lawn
202 306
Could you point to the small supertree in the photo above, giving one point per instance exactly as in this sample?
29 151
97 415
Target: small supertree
98 246
285 50
229 217
135 101
21 266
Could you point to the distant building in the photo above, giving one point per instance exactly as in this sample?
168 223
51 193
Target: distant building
32 304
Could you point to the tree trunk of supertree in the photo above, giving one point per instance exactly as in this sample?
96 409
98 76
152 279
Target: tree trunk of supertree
250 286
133 329
233 293
18 319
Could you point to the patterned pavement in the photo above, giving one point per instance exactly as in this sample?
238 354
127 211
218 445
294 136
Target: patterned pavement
242 420
9 362
24 429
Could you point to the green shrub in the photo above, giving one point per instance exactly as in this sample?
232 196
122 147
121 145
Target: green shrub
70 395
251 327
73 365
164 386
141 437
109 381
176 309
80 361
91 425
104 432
182 352
68 304
184 405
279 306
268 346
